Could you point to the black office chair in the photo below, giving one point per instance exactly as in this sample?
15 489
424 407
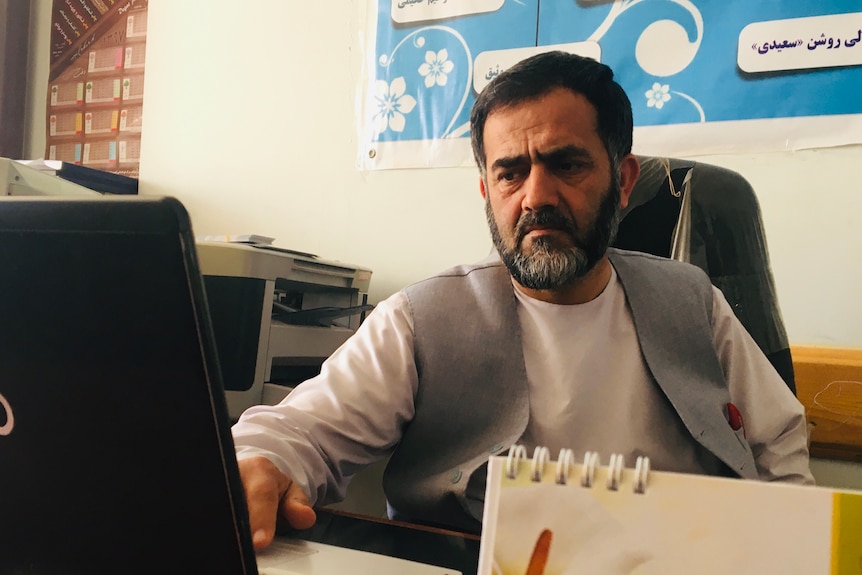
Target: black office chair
709 216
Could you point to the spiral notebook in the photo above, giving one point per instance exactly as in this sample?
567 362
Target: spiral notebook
545 517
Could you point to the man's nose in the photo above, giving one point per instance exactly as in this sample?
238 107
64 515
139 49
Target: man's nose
540 190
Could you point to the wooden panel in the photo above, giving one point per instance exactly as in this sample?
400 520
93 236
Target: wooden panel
829 385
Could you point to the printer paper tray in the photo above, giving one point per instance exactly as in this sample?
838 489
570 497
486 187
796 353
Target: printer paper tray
286 341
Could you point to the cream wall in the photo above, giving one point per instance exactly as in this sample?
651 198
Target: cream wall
249 120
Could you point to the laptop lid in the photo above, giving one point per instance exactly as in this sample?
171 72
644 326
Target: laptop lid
115 449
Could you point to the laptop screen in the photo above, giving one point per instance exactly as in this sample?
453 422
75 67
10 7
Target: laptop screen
115 452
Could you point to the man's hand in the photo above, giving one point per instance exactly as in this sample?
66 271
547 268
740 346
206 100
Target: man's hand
268 491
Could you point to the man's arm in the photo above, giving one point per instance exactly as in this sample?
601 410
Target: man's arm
774 420
332 425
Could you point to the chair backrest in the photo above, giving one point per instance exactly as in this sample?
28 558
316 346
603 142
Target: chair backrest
710 217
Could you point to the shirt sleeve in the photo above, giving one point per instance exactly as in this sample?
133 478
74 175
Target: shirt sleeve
350 415
773 419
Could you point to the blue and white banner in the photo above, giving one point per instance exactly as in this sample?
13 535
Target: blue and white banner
704 76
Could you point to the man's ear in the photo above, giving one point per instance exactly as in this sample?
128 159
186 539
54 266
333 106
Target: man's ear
482 189
630 169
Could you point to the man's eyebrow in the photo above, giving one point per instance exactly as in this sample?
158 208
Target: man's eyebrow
567 153
563 153
510 162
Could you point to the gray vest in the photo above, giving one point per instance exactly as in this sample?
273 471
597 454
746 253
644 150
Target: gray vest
472 400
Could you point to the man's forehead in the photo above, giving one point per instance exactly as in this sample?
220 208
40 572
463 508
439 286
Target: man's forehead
561 118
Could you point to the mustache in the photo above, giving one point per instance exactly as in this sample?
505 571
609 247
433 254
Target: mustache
545 218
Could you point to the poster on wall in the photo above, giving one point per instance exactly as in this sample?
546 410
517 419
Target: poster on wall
703 77
96 83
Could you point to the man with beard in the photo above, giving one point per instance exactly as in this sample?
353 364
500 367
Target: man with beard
555 340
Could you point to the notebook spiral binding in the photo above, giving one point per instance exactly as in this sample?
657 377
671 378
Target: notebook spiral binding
566 461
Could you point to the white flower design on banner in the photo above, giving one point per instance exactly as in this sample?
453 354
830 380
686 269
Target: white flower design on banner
392 105
436 68
658 95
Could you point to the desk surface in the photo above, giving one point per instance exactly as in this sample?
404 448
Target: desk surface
434 546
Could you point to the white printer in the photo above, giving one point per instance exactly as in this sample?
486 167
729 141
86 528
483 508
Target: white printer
276 314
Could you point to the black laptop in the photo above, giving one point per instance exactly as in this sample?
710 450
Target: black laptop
115 449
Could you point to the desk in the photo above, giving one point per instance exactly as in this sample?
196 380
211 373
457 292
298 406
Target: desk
426 545
829 385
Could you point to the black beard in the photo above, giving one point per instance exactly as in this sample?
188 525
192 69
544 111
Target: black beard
548 265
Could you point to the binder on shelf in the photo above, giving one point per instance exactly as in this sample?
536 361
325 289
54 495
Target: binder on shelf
545 517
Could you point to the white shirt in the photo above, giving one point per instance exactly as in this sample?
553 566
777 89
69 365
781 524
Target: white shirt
589 390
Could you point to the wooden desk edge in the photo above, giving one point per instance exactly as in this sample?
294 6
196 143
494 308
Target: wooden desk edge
816 368
825 354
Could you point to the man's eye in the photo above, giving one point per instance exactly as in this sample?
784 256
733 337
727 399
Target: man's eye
506 176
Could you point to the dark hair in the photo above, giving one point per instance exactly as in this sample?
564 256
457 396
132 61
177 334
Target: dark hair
536 76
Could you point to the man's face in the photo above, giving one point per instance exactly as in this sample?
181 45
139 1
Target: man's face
552 200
